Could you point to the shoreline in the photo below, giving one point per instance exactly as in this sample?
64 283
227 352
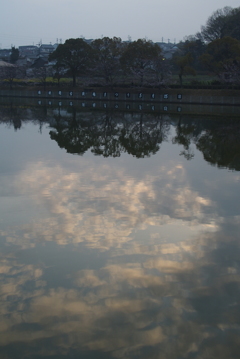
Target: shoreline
129 95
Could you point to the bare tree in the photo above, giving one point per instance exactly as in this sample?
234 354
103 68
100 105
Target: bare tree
9 72
42 73
231 72
106 56
138 58
161 72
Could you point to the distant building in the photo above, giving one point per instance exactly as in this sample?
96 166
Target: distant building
46 50
30 51
5 67
35 56
4 64
39 62
5 54
24 62
88 41
168 49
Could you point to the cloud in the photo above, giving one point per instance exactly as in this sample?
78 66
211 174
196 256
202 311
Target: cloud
169 282
168 301
102 207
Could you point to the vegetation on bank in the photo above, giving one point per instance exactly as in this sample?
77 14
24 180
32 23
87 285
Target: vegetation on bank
209 59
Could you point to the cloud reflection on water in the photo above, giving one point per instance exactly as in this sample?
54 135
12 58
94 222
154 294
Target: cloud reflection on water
102 207
182 298
169 284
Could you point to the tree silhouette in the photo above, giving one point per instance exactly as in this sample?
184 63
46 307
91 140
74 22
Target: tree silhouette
138 58
73 55
221 145
106 56
142 138
108 136
74 136
184 137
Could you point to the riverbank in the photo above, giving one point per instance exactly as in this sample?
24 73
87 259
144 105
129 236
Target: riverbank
144 102
142 95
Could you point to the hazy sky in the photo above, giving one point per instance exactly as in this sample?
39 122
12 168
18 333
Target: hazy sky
24 22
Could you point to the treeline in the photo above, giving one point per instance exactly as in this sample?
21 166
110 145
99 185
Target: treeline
215 50
111 134
110 59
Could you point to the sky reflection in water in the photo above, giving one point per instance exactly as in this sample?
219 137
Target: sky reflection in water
133 256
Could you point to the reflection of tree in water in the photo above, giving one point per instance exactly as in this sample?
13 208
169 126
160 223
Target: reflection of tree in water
106 136
80 133
142 137
73 135
110 134
220 145
12 116
184 137
15 116
219 141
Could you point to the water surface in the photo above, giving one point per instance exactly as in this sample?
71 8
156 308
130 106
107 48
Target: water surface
119 235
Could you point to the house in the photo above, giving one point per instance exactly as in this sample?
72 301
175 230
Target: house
29 51
39 62
5 54
46 50
6 69
168 49
24 62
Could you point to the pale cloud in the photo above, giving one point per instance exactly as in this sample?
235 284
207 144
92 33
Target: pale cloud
103 207
159 291
162 256
167 266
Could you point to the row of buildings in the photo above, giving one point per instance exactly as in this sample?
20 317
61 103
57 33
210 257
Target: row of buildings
37 56
30 55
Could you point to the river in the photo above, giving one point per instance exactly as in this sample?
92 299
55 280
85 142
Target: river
119 234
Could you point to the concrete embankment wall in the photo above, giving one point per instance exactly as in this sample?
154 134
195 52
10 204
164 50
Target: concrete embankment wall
153 97
159 101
